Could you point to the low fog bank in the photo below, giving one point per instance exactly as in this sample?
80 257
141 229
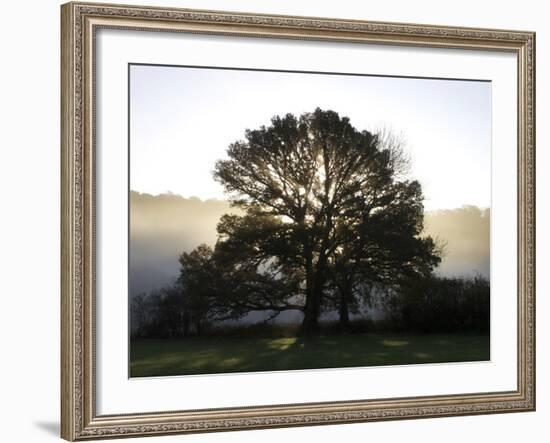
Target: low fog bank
465 232
164 226
161 228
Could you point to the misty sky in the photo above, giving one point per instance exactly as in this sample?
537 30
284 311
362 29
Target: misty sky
183 119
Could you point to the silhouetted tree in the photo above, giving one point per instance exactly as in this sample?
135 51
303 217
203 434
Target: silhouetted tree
319 196
139 314
199 290
166 313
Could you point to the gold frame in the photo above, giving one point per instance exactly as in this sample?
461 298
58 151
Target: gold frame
79 21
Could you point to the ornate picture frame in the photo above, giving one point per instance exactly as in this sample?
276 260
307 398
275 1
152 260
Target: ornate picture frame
80 23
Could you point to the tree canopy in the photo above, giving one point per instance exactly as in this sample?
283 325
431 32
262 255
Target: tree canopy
326 213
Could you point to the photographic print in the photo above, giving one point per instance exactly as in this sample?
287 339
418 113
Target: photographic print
283 220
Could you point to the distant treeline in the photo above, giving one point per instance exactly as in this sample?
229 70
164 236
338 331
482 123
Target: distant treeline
428 305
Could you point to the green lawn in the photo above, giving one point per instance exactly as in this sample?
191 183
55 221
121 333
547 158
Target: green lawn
210 355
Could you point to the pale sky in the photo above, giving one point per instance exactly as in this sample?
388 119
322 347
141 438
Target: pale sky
183 119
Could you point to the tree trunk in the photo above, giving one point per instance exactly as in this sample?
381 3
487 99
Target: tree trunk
310 325
345 297
315 280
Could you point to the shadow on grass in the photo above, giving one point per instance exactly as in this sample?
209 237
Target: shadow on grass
209 355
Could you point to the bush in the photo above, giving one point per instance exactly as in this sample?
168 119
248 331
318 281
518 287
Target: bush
437 304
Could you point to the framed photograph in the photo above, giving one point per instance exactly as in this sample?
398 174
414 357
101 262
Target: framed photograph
283 221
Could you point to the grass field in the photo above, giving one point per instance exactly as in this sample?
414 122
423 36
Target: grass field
210 355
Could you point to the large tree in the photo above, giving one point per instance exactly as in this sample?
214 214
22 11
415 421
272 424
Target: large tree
312 189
